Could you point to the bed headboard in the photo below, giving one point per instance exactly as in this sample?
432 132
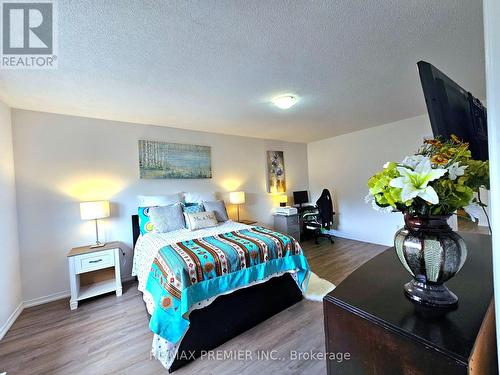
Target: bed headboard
135 228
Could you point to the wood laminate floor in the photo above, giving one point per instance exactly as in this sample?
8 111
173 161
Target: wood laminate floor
110 335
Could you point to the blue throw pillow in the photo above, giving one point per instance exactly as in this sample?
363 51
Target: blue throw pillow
192 208
145 224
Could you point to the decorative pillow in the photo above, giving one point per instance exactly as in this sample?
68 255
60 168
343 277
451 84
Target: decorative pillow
166 218
219 208
199 197
159 200
192 208
200 220
145 224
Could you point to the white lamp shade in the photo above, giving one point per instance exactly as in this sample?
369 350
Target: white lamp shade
94 210
237 197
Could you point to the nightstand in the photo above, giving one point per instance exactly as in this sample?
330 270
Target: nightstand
94 271
247 222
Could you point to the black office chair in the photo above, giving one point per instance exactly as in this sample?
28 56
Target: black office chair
316 222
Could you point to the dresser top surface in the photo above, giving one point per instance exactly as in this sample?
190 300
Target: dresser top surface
88 250
375 292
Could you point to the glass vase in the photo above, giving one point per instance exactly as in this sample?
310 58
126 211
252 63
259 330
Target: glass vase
432 253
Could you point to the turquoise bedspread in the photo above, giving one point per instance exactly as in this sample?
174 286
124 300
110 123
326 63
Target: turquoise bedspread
187 273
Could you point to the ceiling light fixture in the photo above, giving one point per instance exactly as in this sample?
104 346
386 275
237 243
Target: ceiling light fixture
284 101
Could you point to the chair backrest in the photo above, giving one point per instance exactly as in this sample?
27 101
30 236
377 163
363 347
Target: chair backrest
325 208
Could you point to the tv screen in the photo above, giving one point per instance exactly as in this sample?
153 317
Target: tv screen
453 110
300 197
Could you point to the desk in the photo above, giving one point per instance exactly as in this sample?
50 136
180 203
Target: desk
288 224
368 316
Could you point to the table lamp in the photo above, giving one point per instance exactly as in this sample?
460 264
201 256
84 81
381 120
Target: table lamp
237 198
94 211
283 200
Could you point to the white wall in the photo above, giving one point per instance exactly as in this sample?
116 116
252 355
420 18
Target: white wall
344 164
10 277
491 11
61 160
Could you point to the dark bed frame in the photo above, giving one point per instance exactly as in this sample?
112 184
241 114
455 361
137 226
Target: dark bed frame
232 314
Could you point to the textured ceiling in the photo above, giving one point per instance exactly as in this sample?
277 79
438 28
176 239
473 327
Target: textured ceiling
214 65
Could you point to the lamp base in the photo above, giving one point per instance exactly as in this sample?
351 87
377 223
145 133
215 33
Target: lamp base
97 245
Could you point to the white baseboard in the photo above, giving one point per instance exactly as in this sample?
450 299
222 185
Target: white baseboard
11 320
30 303
39 301
59 295
355 237
46 299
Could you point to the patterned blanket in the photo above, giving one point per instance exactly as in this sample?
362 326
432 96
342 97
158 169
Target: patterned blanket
188 273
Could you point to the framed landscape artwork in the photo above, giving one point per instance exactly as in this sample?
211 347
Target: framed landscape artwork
276 172
163 160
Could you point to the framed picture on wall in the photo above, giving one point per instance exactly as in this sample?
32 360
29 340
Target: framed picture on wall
276 172
163 160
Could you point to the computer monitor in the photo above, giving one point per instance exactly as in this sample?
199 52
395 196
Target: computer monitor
300 197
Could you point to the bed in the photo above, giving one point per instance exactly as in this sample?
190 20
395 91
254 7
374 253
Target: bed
237 308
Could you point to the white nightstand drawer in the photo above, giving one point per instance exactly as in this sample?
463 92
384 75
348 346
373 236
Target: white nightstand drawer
91 262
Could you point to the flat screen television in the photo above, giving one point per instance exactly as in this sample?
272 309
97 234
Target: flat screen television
300 197
453 110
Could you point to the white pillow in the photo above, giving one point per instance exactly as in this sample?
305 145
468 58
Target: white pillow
159 200
199 197
199 220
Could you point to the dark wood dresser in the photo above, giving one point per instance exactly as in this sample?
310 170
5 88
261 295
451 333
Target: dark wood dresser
369 317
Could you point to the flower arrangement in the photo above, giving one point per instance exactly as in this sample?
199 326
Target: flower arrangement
438 180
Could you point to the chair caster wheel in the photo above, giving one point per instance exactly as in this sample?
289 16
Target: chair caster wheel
316 242
332 241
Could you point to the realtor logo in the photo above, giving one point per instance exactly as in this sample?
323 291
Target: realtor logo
28 35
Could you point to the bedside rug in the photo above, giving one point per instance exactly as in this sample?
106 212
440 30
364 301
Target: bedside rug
318 288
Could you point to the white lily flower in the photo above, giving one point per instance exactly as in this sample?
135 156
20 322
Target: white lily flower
473 210
414 160
455 171
415 183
